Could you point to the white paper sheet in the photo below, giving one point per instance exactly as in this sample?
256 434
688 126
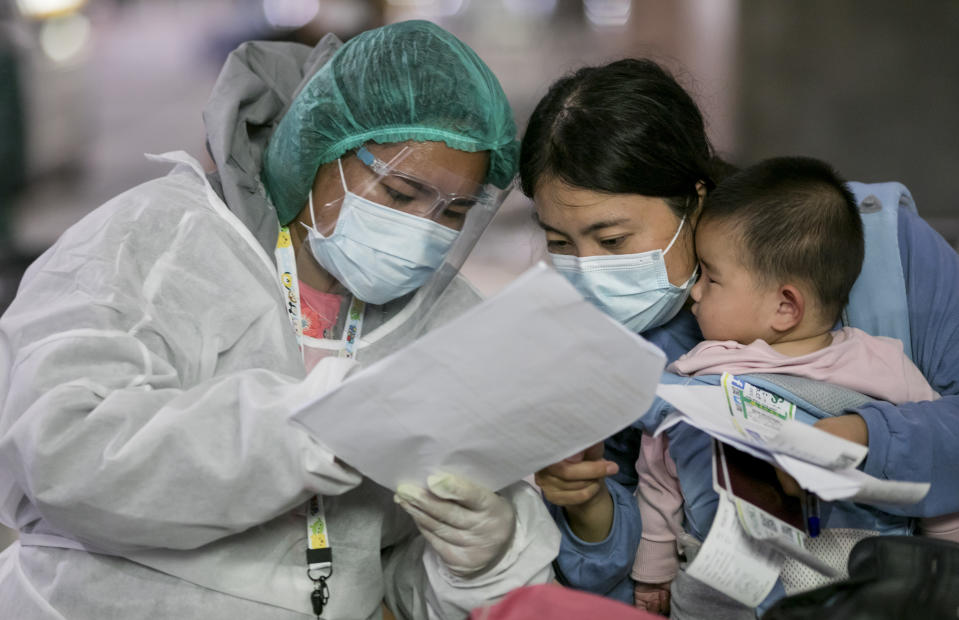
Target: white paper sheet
820 462
852 484
527 378
732 562
709 406
746 547
757 522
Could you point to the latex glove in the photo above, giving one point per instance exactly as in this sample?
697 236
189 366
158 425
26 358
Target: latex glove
653 597
469 526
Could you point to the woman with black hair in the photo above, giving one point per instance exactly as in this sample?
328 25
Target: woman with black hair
617 162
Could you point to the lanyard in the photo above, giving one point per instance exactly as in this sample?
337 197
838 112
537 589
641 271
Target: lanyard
319 553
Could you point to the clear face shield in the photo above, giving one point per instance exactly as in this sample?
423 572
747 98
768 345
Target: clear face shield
417 196
400 217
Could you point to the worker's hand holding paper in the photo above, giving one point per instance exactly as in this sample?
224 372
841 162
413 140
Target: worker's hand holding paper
523 380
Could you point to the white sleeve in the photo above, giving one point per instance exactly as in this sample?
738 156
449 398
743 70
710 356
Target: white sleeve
150 386
120 466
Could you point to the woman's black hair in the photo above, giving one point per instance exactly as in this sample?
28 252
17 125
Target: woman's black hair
623 128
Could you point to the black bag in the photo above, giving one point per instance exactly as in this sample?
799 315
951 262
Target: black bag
889 577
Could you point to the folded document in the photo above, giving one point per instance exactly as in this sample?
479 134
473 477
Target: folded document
762 424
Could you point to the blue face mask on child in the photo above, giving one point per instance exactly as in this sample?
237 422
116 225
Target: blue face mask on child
379 253
634 289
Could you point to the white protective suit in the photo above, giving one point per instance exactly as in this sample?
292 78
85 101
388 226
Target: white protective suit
145 451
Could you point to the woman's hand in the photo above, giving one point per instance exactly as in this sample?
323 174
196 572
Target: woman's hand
578 483
576 480
850 427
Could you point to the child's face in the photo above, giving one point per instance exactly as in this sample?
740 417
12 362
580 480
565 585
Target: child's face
729 303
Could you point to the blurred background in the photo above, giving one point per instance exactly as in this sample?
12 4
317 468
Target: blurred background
88 86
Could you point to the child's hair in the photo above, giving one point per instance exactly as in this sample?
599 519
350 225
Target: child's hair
793 218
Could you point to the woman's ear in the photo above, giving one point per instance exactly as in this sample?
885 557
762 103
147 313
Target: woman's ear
790 308
701 190
701 193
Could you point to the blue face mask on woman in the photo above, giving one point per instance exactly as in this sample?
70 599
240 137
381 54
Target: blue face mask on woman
634 289
379 253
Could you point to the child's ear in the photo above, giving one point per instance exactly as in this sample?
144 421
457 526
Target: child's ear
791 306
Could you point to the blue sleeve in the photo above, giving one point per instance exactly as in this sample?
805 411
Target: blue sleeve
918 441
602 567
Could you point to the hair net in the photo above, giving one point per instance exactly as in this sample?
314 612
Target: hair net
406 81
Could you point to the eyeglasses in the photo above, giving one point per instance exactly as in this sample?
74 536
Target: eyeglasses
411 194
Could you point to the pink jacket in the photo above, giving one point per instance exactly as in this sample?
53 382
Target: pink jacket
871 365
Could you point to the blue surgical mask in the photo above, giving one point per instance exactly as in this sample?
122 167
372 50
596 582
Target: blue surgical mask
379 253
634 289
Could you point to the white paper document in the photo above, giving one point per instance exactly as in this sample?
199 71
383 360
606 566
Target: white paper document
734 563
852 484
765 513
750 415
753 533
760 424
525 379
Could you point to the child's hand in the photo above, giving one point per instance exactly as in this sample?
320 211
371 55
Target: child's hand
653 597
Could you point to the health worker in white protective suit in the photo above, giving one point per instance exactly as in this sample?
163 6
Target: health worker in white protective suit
154 354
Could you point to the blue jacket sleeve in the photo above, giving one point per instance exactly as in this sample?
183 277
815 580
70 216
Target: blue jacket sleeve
917 441
601 567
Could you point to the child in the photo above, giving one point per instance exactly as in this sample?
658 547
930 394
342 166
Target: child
780 245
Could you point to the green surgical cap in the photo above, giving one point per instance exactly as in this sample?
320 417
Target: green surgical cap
406 81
